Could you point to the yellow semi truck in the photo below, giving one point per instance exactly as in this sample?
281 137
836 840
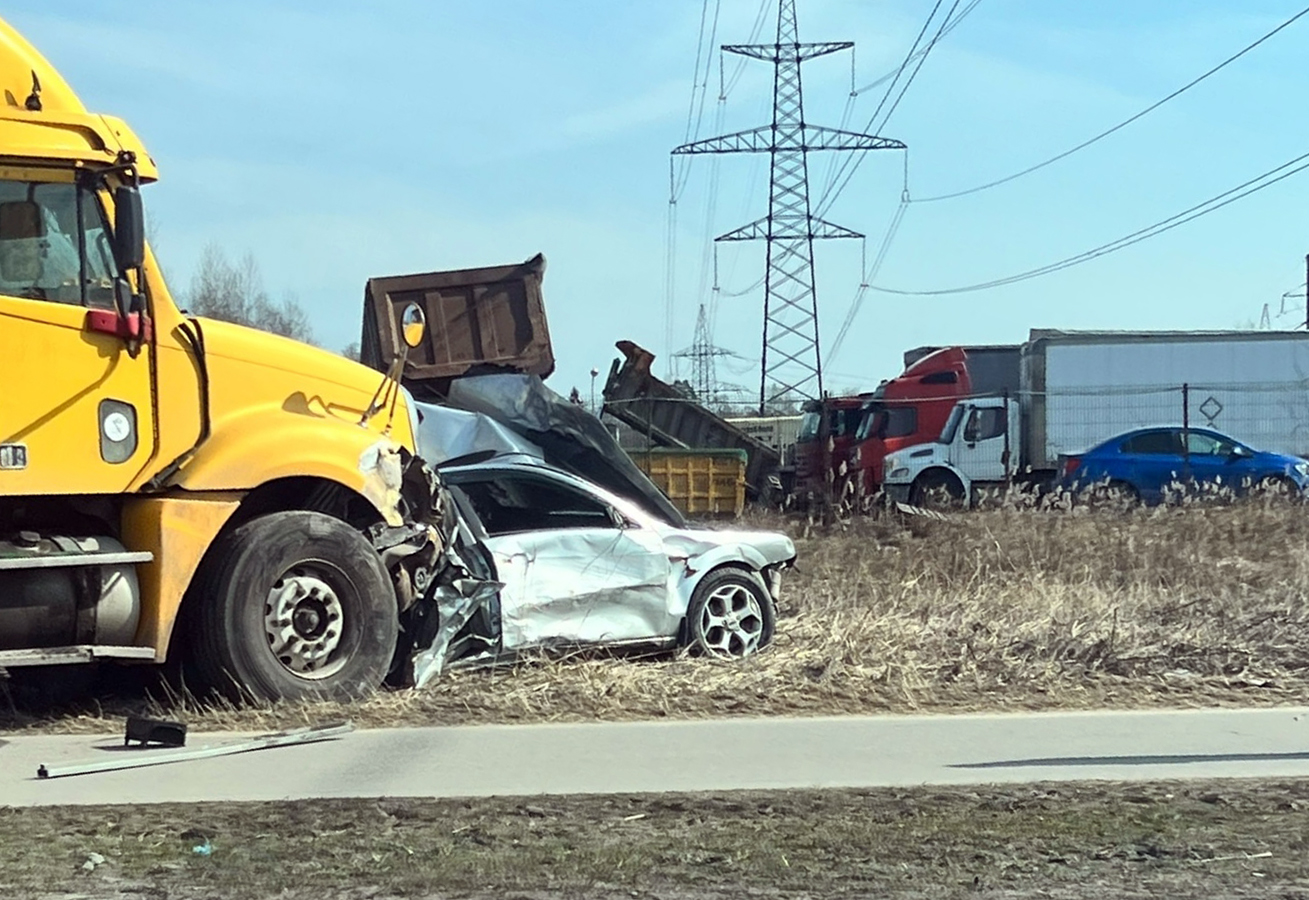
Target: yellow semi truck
174 483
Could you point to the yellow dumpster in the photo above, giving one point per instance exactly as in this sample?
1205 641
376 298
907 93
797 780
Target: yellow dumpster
699 482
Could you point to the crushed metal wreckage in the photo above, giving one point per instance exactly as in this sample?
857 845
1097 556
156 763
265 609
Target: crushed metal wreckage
549 535
537 556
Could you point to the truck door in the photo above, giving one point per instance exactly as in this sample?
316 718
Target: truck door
981 443
75 407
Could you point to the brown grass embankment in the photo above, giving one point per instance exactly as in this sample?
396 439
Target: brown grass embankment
991 610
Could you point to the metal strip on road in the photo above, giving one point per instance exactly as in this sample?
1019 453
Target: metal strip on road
141 759
712 755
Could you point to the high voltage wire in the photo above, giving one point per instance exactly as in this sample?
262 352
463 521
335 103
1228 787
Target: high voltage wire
905 199
1123 124
1245 189
853 163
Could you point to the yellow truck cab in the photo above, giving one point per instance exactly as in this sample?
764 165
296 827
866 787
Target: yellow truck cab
168 482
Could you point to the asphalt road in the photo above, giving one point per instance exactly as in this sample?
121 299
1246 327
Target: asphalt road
722 754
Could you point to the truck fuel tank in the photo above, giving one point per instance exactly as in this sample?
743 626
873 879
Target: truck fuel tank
57 591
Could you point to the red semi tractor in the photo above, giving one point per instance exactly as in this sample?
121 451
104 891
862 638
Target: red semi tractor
912 408
908 410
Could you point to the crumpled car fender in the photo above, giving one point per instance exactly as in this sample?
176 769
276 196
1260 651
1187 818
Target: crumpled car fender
700 552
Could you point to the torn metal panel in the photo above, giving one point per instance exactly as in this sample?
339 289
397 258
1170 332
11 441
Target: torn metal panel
443 434
569 437
456 604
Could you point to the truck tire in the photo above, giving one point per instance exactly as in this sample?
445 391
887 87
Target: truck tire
731 614
293 605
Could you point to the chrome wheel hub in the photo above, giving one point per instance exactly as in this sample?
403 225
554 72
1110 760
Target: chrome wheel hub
302 621
732 623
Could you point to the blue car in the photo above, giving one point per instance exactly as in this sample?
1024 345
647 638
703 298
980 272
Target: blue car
1144 464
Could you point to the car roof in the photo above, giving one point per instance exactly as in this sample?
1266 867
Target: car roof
1118 438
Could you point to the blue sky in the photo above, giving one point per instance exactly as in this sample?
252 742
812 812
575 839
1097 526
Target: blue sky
338 141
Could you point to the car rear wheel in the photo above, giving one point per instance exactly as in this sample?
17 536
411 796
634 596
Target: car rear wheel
731 614
1110 495
293 605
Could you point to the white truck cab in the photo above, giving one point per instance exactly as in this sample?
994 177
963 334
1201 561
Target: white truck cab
978 447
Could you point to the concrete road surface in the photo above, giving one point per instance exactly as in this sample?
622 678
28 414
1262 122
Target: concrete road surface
722 754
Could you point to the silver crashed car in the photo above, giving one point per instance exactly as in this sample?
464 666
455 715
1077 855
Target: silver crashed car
575 564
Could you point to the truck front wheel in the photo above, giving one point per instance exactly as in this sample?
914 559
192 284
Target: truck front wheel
293 605
937 490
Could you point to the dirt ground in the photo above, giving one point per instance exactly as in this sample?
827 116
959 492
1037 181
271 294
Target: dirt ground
1214 840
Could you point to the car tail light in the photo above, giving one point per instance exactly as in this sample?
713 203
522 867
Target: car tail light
1070 465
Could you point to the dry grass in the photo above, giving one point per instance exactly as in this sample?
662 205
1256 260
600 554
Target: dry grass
1000 609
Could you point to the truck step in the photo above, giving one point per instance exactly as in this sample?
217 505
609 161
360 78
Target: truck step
66 560
78 653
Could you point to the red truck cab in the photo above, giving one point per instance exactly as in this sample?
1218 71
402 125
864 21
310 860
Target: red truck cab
909 409
832 418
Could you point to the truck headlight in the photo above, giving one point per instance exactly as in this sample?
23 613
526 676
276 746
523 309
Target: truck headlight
1303 469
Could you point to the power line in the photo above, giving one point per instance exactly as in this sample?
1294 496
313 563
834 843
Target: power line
829 195
1123 124
1200 209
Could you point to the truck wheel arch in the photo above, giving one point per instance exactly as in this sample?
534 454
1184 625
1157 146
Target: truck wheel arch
955 480
293 494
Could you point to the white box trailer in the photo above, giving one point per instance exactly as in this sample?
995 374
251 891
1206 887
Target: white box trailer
1080 388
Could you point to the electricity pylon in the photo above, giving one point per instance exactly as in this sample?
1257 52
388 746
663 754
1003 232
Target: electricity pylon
791 363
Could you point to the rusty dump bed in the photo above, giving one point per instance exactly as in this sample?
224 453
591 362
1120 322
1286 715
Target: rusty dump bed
479 321
653 407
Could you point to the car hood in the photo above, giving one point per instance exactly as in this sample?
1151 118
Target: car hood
762 548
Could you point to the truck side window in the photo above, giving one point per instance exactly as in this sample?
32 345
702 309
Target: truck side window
984 424
900 421
40 248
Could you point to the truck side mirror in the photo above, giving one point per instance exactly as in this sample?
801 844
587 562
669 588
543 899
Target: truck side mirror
129 228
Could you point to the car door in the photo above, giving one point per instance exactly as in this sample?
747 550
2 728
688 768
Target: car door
76 413
1151 461
573 569
1213 462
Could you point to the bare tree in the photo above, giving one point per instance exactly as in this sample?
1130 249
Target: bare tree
351 351
234 292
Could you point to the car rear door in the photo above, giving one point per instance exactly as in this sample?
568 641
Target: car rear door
573 569
1151 461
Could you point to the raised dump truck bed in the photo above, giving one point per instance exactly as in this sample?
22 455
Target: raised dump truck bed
655 408
479 321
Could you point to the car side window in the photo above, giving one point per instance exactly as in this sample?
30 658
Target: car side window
1154 443
44 255
1206 445
984 424
509 504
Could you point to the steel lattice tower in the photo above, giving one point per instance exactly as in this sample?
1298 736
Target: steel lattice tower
702 353
791 357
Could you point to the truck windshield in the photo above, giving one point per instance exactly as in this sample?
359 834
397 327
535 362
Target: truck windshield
952 425
52 234
869 423
809 425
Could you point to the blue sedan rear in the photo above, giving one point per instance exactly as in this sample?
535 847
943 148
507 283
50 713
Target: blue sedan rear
1147 462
